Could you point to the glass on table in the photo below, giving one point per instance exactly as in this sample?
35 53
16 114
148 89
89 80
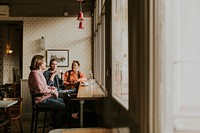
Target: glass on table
91 82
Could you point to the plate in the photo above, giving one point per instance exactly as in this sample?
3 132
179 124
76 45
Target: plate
84 83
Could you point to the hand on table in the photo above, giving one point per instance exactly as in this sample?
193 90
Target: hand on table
74 82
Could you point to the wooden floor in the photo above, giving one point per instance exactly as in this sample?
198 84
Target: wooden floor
75 123
26 127
26 124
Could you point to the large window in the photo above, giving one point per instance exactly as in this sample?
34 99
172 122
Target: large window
120 51
119 48
99 43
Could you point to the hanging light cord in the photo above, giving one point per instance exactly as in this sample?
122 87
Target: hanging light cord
80 6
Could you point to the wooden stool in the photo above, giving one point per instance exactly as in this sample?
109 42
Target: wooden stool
35 112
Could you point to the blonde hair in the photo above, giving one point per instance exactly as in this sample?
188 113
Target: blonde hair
36 61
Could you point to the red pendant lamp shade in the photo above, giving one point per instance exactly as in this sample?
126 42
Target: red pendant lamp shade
80 16
81 25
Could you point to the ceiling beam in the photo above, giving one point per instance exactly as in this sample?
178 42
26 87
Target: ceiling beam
47 10
45 2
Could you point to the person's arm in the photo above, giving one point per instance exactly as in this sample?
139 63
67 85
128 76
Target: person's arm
53 75
61 81
47 77
65 78
82 77
54 91
38 84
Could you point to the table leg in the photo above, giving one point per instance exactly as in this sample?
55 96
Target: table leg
81 112
7 128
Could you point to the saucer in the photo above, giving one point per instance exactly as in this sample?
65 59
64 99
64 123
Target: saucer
84 83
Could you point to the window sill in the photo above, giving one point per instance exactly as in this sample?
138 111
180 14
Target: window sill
123 102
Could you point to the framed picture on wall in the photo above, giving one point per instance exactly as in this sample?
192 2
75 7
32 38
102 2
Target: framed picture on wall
62 57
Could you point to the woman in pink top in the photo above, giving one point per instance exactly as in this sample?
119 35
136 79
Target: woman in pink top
45 96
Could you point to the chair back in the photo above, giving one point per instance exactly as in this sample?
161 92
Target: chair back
17 75
17 108
3 91
13 90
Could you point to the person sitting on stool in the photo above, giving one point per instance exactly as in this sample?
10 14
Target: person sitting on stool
52 77
72 78
45 96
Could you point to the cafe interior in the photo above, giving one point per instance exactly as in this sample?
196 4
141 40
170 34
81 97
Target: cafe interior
94 32
141 59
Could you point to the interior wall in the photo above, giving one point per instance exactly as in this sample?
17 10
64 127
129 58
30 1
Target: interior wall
179 61
2 47
59 33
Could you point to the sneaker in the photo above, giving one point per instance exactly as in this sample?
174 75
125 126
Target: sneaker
75 115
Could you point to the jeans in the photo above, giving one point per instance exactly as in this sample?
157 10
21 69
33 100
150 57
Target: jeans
57 105
70 91
60 94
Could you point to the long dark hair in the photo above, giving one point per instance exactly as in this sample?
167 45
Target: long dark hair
75 61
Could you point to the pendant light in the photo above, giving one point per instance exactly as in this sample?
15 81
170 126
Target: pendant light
81 25
80 15
8 45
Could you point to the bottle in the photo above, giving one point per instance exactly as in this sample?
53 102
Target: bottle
61 74
91 75
91 80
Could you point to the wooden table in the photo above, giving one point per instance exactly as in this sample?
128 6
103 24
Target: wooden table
92 130
6 105
88 91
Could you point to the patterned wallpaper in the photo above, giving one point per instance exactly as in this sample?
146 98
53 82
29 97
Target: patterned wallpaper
11 61
59 33
2 35
8 62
